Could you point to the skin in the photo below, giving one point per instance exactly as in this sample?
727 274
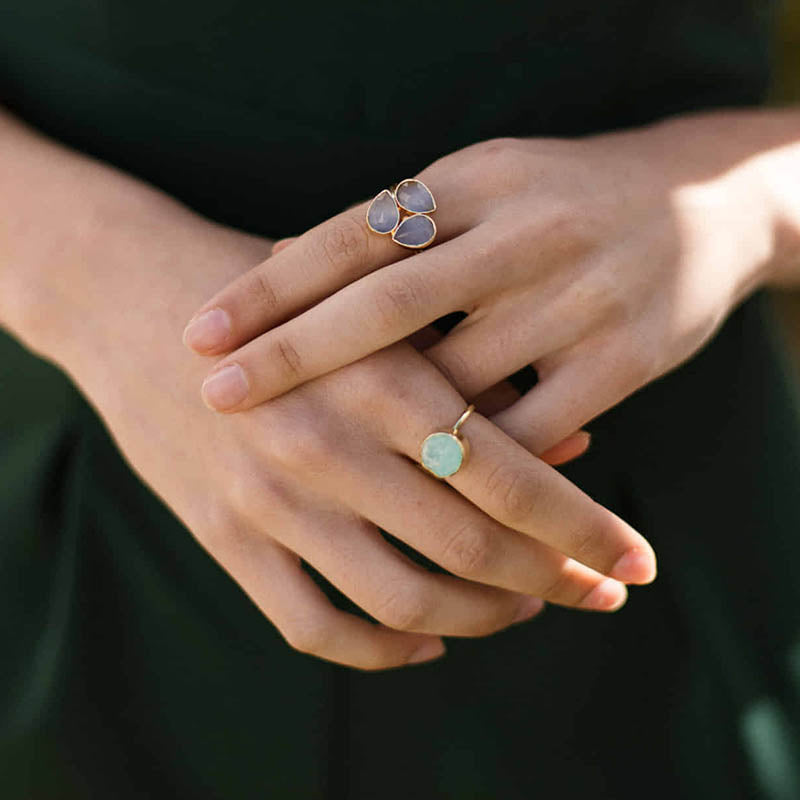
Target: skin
311 474
99 272
604 262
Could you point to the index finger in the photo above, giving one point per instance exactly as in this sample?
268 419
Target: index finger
324 259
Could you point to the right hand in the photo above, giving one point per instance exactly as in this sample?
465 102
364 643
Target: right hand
314 474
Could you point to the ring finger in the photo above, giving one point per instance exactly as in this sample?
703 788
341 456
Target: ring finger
508 483
439 523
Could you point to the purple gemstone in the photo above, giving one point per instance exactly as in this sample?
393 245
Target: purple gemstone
415 231
414 196
383 213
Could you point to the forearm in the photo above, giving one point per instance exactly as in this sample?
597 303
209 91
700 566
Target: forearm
85 248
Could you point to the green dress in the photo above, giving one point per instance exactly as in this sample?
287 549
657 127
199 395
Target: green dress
131 666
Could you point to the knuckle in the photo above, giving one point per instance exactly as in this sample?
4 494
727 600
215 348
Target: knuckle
342 241
379 383
601 290
261 291
304 447
630 354
308 635
311 449
502 159
586 539
583 542
562 224
561 588
515 491
287 358
577 597
221 527
243 489
452 364
503 152
403 608
469 551
256 496
399 299
371 376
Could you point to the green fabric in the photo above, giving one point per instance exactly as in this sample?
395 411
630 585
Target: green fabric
133 667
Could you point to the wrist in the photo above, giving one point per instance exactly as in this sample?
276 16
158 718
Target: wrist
131 266
83 246
778 175
753 157
148 272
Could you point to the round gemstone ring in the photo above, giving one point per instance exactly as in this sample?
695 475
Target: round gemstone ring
444 453
402 211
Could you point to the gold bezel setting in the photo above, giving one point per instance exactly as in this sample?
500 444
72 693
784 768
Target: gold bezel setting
453 434
403 221
463 447
375 199
412 210
403 214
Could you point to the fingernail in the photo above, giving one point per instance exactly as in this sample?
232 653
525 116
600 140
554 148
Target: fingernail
225 388
530 607
637 565
608 595
207 331
430 650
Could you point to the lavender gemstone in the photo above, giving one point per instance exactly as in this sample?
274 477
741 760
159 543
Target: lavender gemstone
383 213
415 231
413 195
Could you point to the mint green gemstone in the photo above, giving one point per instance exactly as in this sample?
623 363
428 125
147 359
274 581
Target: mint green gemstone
442 454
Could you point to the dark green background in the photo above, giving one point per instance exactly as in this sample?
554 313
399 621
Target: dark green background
132 667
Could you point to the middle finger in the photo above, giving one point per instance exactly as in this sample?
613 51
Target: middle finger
511 485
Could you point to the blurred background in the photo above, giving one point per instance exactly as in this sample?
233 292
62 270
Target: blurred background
786 89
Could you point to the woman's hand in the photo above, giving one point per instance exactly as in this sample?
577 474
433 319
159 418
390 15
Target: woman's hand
312 476
604 262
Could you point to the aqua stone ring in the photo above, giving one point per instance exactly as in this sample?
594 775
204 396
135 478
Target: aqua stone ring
402 212
444 453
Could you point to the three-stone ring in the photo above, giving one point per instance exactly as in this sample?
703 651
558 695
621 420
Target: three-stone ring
402 210
444 453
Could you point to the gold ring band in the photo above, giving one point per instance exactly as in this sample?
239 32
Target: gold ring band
463 418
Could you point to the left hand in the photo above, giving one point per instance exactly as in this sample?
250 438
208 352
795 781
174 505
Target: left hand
604 262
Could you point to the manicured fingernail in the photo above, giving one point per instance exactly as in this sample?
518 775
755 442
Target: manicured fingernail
608 595
207 331
225 388
637 565
530 607
428 651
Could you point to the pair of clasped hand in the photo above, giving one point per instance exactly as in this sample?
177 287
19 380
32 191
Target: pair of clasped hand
592 260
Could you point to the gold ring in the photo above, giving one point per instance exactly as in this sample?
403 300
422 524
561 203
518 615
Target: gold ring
403 212
443 453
